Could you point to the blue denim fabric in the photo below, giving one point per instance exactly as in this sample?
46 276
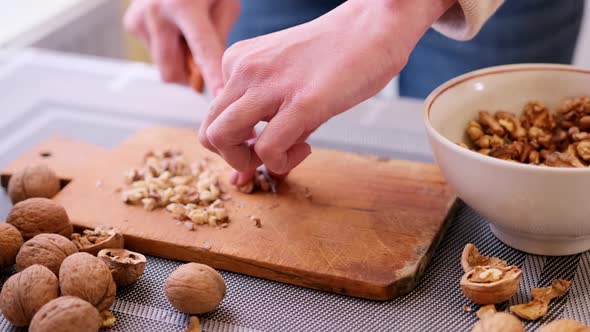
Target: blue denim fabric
520 31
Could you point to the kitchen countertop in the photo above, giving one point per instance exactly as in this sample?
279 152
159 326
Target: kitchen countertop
103 101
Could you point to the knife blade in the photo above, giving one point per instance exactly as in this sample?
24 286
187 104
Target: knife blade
262 169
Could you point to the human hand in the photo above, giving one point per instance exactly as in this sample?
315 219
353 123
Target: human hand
204 24
297 79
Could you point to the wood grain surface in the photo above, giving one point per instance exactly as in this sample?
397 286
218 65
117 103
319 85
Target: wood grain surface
368 229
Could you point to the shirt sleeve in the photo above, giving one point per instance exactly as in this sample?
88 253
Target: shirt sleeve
466 17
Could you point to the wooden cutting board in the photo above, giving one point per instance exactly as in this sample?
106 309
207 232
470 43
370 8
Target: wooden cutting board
368 230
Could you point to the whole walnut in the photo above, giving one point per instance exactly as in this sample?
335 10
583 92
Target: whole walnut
66 314
48 250
88 278
10 242
24 293
195 288
33 181
40 215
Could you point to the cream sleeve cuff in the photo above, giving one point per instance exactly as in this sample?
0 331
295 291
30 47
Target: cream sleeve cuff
466 17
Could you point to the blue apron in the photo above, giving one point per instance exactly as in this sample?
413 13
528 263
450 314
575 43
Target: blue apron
520 31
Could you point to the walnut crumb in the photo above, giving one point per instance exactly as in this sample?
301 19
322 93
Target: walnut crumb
206 245
194 325
256 221
467 308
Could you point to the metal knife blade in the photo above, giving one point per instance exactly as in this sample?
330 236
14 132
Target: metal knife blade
262 169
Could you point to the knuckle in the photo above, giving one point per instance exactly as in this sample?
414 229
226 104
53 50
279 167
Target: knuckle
215 137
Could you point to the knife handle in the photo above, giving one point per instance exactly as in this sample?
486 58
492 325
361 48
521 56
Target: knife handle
195 79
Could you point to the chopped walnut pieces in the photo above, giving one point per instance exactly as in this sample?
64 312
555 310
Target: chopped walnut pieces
583 150
258 183
474 130
536 114
166 180
539 305
538 136
490 123
562 159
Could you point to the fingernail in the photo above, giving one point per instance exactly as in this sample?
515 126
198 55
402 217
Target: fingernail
243 178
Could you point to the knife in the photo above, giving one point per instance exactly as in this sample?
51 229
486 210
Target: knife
264 171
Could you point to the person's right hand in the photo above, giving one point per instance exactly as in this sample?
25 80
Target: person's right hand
204 24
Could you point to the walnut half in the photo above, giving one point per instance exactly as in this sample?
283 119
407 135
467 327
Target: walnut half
93 241
126 266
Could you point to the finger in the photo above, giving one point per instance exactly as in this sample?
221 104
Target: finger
241 178
281 145
228 96
230 133
165 47
224 15
133 20
203 41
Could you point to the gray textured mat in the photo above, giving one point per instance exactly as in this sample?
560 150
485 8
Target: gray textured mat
256 304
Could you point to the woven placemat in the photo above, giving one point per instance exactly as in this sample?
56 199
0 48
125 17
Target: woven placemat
254 304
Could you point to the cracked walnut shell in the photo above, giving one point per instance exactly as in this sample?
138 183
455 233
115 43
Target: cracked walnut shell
75 273
39 215
33 181
498 322
564 325
102 237
48 250
65 314
24 293
195 288
539 305
126 266
471 258
490 285
10 242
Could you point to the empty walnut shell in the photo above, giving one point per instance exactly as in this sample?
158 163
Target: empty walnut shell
472 258
195 288
564 325
40 215
499 322
33 181
66 314
10 242
78 270
48 250
102 237
126 266
24 293
491 292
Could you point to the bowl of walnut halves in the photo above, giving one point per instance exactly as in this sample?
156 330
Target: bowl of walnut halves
513 142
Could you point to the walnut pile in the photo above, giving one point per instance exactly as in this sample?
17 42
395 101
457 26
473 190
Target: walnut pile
65 314
102 237
39 215
167 180
24 293
10 242
33 181
539 136
48 250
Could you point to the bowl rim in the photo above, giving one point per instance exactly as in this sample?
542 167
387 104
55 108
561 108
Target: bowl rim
495 70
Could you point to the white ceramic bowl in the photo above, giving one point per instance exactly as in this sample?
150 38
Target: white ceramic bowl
539 210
